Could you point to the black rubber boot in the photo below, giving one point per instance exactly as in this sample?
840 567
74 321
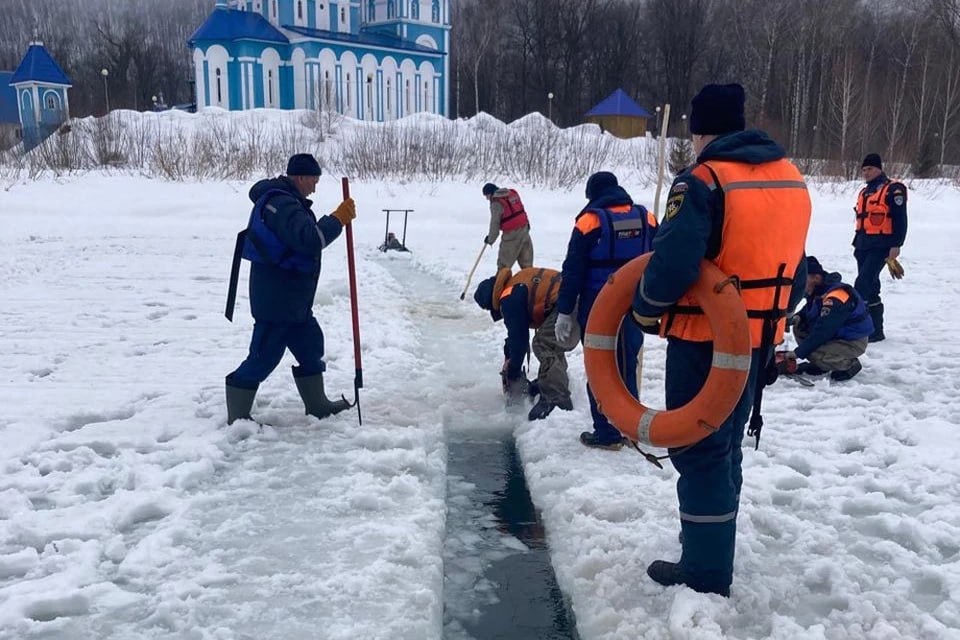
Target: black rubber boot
315 401
809 369
670 574
854 369
592 440
666 573
540 410
876 314
239 403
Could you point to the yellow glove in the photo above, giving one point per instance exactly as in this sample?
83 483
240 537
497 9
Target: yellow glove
895 268
345 212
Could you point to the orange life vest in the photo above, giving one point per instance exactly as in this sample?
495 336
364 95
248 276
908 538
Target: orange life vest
543 287
514 216
766 217
873 212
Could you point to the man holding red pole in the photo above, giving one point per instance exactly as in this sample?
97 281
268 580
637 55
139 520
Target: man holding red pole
284 243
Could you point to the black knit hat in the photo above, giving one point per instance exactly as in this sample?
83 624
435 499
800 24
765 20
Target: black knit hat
600 182
814 267
483 296
872 160
717 109
489 189
303 164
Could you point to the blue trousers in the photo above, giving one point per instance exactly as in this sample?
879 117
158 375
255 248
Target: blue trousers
628 349
710 471
269 342
870 263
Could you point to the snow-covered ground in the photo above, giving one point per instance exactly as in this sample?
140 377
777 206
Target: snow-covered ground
129 510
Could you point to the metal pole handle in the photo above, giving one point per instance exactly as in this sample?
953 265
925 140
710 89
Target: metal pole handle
352 271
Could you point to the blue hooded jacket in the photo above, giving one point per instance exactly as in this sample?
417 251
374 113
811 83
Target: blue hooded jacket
285 295
579 284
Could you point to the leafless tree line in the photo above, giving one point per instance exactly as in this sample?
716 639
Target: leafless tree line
829 79
141 43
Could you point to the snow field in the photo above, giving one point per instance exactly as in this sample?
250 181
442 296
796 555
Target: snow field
128 509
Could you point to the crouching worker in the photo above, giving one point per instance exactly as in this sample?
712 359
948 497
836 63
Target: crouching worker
527 301
832 329
284 242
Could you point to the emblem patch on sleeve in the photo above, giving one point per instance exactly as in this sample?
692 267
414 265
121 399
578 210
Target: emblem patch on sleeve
898 200
827 307
679 187
673 206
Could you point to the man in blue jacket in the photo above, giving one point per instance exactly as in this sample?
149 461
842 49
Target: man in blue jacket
881 230
832 329
609 232
284 243
744 207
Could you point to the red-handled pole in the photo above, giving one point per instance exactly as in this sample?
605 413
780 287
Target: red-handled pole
352 271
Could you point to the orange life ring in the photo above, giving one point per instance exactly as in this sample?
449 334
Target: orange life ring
728 373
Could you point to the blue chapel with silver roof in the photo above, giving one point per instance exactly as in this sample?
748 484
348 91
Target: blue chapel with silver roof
368 59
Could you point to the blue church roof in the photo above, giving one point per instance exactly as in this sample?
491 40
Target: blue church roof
8 100
619 103
230 24
367 38
38 66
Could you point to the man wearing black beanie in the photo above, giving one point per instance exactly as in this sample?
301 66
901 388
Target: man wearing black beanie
283 242
881 228
744 207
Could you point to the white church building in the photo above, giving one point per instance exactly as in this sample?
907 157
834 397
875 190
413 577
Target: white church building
367 59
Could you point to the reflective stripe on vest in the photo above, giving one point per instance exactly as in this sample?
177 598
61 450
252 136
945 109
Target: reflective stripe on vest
766 217
543 287
514 216
873 212
624 235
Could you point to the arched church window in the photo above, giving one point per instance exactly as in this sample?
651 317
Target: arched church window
51 101
274 10
426 98
327 87
299 9
343 15
369 97
435 11
219 88
372 10
391 9
415 9
348 91
270 87
409 103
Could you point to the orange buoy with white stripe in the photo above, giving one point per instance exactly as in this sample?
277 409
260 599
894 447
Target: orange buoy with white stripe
717 295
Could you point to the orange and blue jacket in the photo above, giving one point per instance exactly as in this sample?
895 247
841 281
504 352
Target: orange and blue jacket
881 214
834 312
609 232
745 208
524 299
